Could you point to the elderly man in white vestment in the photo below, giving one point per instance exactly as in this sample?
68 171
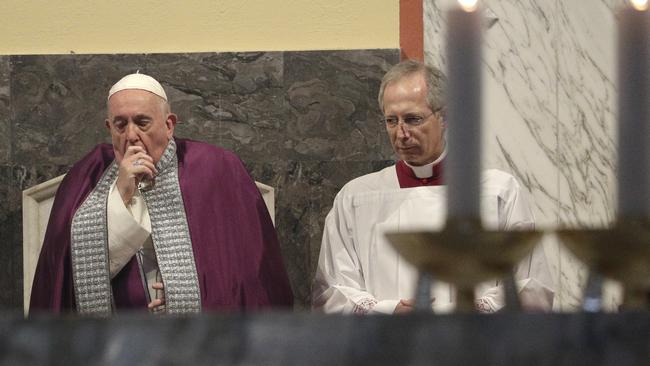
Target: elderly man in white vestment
358 270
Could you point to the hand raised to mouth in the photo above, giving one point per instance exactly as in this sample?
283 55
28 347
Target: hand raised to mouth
136 167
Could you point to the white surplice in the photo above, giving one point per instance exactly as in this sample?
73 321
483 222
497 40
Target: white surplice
359 271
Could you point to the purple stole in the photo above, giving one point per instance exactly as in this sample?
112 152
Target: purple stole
234 245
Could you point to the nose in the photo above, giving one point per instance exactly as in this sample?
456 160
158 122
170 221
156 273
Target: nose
132 133
403 130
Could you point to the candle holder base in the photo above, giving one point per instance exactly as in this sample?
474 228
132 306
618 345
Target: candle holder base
621 253
465 255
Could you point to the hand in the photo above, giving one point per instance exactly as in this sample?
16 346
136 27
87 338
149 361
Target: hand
134 165
533 302
404 306
157 305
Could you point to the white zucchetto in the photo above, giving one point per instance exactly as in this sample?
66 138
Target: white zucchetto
138 81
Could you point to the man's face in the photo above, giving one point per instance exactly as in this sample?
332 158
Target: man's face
405 100
139 118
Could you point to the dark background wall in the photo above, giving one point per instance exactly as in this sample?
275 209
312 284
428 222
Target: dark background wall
302 122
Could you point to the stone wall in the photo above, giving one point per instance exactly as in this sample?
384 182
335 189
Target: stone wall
302 122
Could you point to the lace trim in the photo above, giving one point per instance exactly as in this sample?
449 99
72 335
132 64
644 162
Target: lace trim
364 306
483 306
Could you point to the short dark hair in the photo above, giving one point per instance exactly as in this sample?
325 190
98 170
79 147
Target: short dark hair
435 79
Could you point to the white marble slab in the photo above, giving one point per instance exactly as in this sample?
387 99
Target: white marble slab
549 113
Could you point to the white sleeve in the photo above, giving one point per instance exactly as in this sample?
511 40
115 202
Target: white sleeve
125 235
339 283
533 273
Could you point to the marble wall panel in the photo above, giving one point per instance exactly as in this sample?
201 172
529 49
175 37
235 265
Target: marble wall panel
234 100
8 244
5 110
303 122
13 180
304 194
8 298
587 100
334 113
519 99
59 104
519 94
549 101
586 42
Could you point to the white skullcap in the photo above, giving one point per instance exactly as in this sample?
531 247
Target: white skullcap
138 81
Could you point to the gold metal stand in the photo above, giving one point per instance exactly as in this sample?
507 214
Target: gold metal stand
621 253
464 254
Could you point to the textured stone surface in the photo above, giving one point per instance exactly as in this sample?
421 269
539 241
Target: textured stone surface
7 243
304 194
303 122
549 99
5 111
14 179
59 104
233 100
301 339
332 99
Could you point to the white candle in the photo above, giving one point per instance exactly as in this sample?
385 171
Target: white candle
463 163
633 112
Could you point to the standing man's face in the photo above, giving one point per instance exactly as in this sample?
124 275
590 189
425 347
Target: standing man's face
418 135
139 118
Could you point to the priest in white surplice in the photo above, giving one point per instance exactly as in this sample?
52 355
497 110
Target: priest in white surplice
358 270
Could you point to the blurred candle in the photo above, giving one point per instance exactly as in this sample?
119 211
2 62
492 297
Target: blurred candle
634 98
463 163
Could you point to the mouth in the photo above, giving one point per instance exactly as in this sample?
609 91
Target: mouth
406 148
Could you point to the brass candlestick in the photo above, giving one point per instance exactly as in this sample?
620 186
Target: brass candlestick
464 254
621 253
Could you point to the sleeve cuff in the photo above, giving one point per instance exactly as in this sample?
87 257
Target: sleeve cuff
385 307
125 235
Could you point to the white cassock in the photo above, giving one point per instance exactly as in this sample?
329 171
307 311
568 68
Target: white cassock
360 272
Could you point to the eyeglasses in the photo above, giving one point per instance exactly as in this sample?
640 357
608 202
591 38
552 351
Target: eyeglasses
410 120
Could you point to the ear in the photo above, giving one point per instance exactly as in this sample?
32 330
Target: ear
170 122
443 118
107 123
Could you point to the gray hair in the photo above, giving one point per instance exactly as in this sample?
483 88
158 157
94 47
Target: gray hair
435 79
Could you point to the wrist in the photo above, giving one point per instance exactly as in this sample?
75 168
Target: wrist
126 195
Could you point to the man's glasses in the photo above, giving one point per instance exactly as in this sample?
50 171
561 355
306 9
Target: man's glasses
411 120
